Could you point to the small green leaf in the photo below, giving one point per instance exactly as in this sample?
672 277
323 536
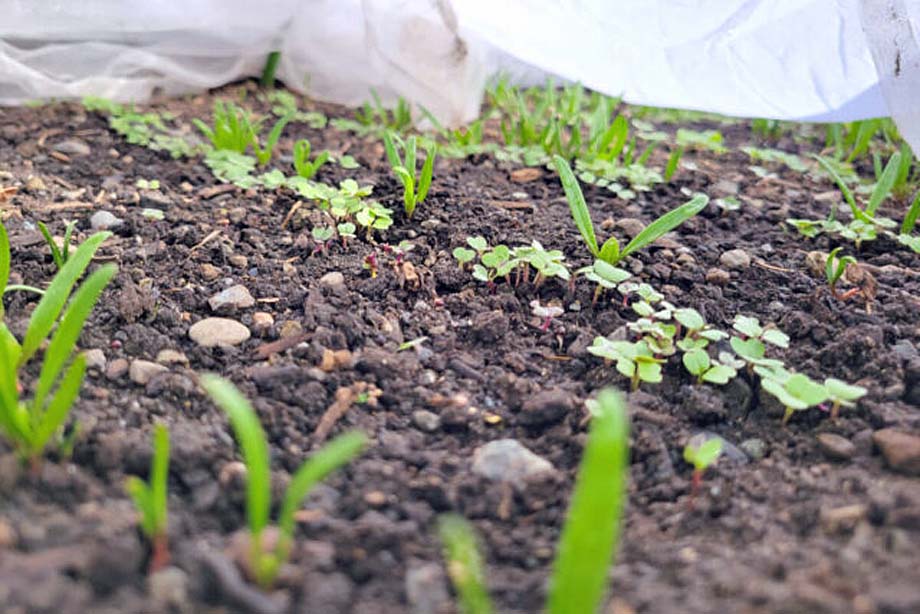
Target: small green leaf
666 223
464 564
747 326
839 390
696 361
749 349
577 204
690 318
776 337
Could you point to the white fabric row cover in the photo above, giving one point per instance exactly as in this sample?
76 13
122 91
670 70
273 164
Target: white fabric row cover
819 60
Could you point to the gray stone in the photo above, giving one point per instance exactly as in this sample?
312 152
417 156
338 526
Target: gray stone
168 589
630 226
73 147
836 447
95 359
103 220
142 371
332 280
262 322
231 299
171 357
735 259
507 460
718 276
900 450
426 589
212 332
755 448
426 420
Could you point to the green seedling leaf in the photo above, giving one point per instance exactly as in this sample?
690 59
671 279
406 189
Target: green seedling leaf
47 424
776 337
463 255
464 564
333 455
843 392
46 312
696 361
750 349
252 441
747 326
844 189
590 536
151 499
689 318
884 185
719 374
577 204
477 243
907 226
705 454
666 223
5 260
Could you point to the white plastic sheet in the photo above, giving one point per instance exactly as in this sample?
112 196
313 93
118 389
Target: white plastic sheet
783 59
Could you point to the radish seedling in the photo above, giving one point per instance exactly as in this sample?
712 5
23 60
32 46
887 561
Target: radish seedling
610 251
546 313
834 269
698 363
795 391
634 360
403 165
150 500
702 455
31 424
302 164
841 393
605 275
547 264
265 562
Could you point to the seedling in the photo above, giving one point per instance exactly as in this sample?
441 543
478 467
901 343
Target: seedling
322 235
634 360
750 328
346 231
232 167
268 71
834 268
59 255
403 165
698 333
546 312
150 500
497 262
841 393
370 264
702 455
547 264
907 226
234 131
698 363
590 536
302 164
265 562
610 251
147 184
605 275
795 391
29 425
673 162
701 140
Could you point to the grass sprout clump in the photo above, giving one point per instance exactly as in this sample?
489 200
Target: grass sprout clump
234 131
150 500
31 424
58 254
402 157
266 562
610 251
590 536
302 164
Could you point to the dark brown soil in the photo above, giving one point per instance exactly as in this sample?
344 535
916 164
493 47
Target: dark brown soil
791 531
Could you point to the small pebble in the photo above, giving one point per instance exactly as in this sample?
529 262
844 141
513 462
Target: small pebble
95 359
262 322
238 261
900 450
142 371
427 421
116 369
35 184
507 460
232 298
171 357
73 147
212 332
209 271
718 277
103 220
836 447
755 448
332 280
735 259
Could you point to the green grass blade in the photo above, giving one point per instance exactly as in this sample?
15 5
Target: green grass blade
50 420
5 260
673 161
47 310
52 245
159 474
9 394
577 204
464 564
666 223
591 532
68 331
411 145
273 137
252 440
333 455
140 494
390 147
907 226
844 189
271 66
885 184
424 182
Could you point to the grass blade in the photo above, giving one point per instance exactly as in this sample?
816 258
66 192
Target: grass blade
52 245
844 189
577 204
140 494
252 441
9 394
424 181
159 473
591 532
885 184
59 407
666 223
68 331
464 564
47 310
907 226
333 455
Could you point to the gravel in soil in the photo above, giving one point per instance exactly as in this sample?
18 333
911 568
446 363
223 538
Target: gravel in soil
485 417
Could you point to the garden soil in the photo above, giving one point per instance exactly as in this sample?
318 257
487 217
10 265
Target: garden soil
817 516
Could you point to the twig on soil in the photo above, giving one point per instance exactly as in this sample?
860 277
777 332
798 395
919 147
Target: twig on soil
294 208
344 399
275 347
511 204
211 235
771 267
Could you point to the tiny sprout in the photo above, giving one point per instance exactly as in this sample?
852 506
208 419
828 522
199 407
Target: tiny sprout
547 312
478 243
751 328
302 164
698 363
634 360
842 393
370 263
322 235
145 184
796 391
702 454
463 256
605 275
346 231
150 499
834 268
